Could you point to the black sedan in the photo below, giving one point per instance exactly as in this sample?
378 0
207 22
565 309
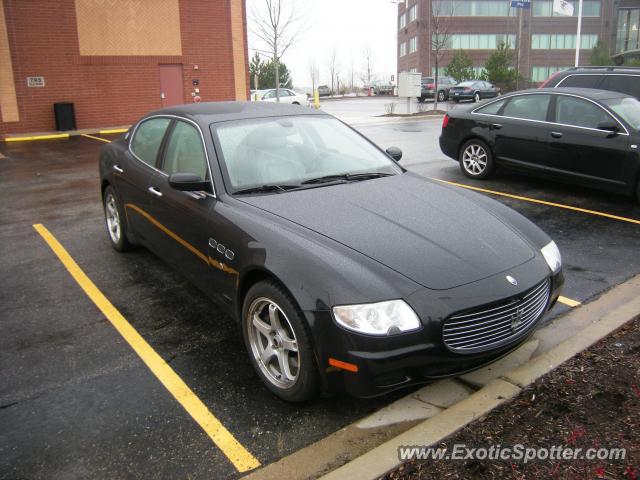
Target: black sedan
583 136
474 90
342 268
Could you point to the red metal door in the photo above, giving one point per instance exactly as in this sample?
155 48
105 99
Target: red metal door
171 87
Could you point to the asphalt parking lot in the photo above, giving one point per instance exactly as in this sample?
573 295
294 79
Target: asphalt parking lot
77 401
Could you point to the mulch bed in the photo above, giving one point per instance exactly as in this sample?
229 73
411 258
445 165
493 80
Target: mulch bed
592 401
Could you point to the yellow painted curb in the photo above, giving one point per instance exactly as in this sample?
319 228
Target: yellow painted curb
37 137
114 130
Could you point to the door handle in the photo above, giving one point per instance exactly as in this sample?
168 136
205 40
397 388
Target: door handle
118 169
496 126
155 191
556 134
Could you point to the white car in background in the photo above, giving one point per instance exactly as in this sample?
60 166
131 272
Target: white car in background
286 96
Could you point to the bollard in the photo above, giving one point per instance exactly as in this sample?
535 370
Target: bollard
316 99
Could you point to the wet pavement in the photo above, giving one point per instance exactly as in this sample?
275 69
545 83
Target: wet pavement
76 401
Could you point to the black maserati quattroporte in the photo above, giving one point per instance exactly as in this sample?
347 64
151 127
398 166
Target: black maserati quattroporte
344 269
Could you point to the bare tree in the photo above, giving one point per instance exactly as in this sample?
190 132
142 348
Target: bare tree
275 24
368 64
441 20
333 67
313 74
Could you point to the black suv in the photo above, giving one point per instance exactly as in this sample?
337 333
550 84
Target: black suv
616 79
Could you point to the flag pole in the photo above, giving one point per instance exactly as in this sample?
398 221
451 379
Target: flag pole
578 35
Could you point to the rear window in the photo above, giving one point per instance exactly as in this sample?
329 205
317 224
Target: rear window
147 139
528 107
627 84
581 81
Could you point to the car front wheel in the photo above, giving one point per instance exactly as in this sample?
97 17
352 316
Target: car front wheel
476 98
476 159
115 221
441 96
278 342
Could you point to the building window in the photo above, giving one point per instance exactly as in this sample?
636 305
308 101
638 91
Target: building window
413 13
540 73
413 70
628 34
476 41
403 49
473 8
544 8
559 41
402 21
413 44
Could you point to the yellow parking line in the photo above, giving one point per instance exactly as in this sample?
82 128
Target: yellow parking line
37 137
569 302
534 200
235 452
95 138
113 130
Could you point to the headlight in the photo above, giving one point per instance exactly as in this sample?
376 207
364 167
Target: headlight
383 318
552 255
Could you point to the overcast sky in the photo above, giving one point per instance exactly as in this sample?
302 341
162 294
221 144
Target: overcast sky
350 26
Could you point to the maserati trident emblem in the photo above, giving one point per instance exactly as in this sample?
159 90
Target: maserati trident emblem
516 319
512 280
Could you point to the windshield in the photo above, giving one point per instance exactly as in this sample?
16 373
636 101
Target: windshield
287 151
627 108
466 84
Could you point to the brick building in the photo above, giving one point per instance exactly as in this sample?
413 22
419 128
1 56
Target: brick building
116 60
545 41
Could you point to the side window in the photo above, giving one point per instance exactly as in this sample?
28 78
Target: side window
581 81
492 108
628 84
580 113
528 107
269 94
185 152
146 142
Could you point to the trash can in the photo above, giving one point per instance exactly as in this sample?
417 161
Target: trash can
65 116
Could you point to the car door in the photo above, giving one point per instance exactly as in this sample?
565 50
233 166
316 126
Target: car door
521 130
134 171
182 218
577 148
490 90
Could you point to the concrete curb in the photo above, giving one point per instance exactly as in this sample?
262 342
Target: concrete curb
383 458
25 137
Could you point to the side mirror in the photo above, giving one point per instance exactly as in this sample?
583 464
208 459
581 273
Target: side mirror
187 182
395 153
609 126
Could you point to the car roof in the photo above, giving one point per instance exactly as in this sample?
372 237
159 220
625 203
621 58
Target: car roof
212 112
591 93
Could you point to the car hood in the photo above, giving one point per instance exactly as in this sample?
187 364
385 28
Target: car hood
417 227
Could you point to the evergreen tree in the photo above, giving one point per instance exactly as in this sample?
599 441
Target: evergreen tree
255 68
499 69
600 54
460 67
267 76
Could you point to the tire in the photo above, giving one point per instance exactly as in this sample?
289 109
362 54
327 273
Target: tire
295 103
476 159
441 96
476 97
291 375
115 221
420 99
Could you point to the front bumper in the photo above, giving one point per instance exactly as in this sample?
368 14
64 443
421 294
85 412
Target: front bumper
388 363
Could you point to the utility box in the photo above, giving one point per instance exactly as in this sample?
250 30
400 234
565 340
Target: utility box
409 84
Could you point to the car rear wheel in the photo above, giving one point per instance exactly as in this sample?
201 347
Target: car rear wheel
476 97
441 96
115 221
278 342
476 159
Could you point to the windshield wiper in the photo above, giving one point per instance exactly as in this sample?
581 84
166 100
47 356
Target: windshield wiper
349 177
266 189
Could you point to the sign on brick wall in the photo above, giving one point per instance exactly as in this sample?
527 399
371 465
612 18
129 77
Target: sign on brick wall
35 81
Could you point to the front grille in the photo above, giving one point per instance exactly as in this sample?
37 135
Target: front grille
489 327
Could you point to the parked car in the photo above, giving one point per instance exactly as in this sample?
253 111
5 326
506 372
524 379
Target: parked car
286 96
617 79
474 90
270 209
382 88
324 91
428 86
578 135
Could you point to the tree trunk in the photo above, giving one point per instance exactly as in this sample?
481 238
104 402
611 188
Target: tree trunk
435 90
276 67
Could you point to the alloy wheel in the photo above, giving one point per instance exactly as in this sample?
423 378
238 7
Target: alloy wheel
441 96
476 98
273 343
474 159
113 218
